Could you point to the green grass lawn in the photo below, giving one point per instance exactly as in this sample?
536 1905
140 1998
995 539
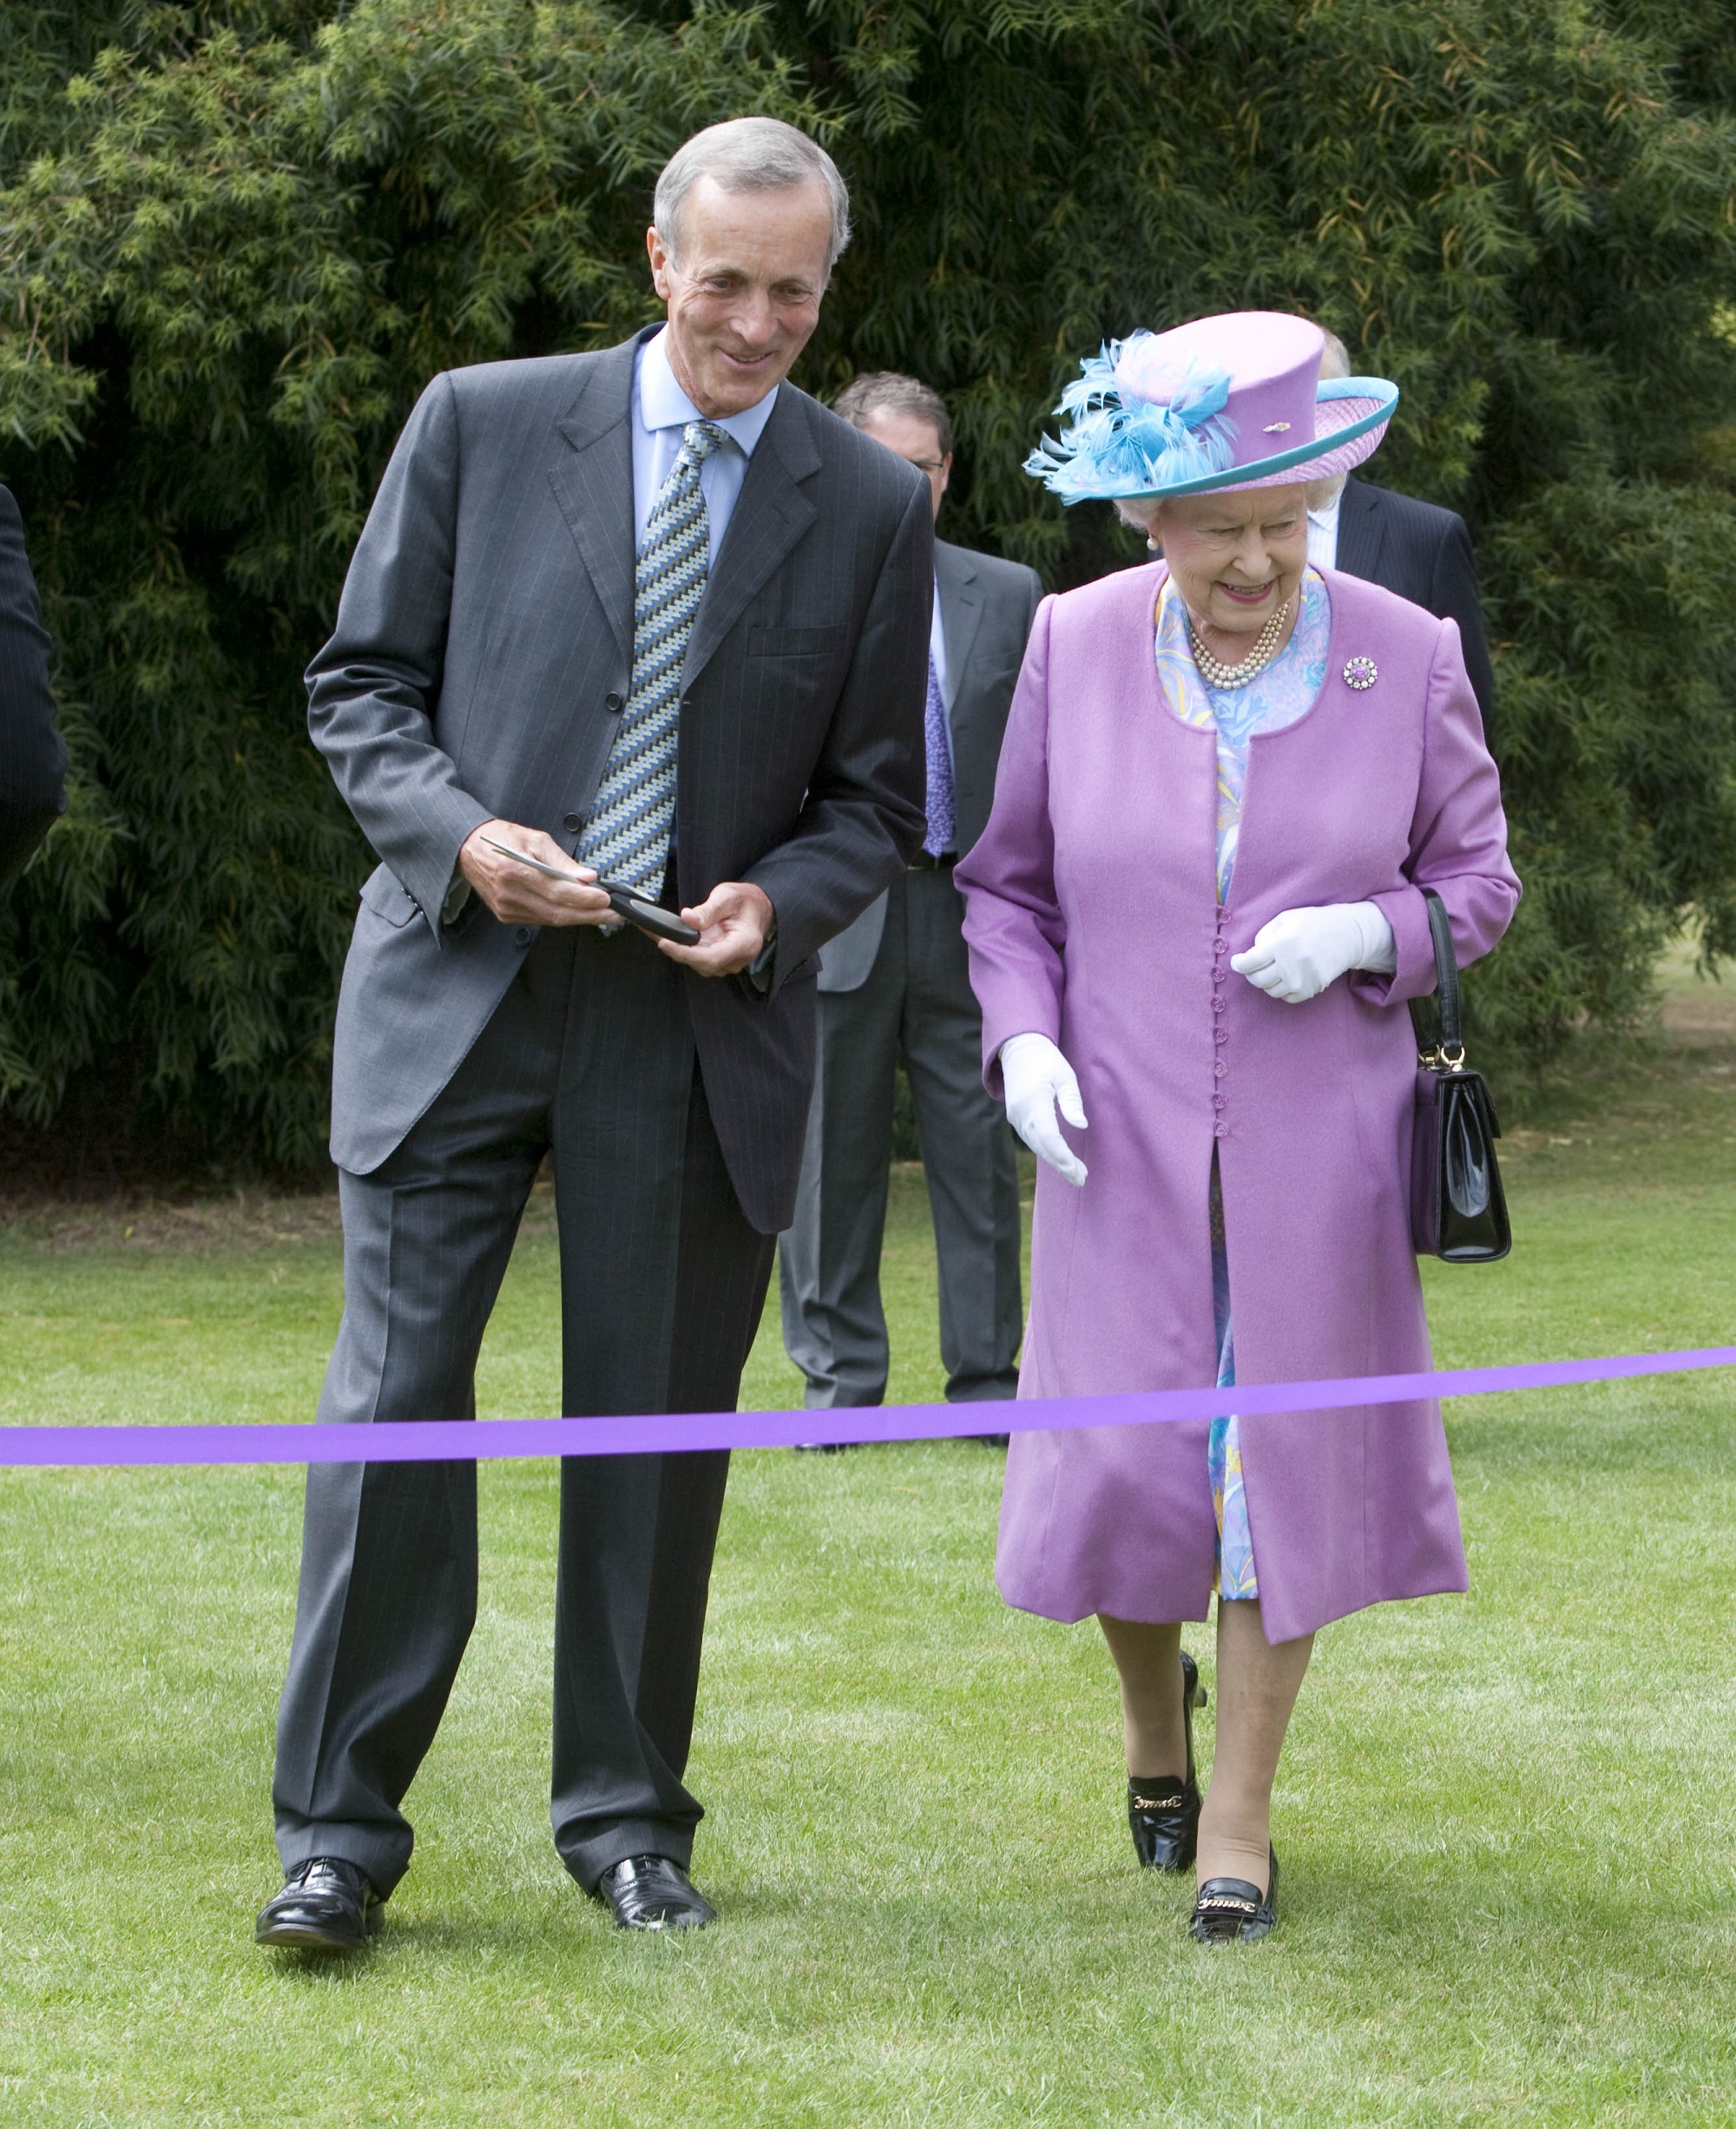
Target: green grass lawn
1506 1820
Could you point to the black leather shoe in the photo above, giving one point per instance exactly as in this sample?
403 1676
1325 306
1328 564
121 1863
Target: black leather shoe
326 1905
651 1892
1229 1910
1164 1813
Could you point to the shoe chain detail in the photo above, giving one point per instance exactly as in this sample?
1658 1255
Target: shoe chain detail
1230 1910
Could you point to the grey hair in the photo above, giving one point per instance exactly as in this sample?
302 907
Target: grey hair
889 391
749 155
1335 361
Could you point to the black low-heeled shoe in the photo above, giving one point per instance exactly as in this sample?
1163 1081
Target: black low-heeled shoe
1229 1910
1164 1813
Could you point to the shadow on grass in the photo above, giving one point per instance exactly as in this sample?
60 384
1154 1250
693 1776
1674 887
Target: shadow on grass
321 1969
568 1927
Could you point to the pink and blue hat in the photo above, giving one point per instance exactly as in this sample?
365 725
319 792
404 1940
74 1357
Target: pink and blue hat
1234 401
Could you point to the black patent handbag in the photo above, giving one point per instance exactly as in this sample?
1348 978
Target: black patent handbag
1458 1210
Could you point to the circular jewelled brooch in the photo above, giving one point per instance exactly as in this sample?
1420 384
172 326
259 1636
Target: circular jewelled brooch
1361 673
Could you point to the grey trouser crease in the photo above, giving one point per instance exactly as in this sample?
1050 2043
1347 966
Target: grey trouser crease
916 1004
589 1055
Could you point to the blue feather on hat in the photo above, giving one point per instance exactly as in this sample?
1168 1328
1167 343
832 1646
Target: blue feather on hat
1119 445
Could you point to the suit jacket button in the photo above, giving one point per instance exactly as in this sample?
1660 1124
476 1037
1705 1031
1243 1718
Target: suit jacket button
614 702
522 936
572 822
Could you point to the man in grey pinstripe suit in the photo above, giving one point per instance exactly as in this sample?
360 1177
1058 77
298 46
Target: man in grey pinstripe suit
509 617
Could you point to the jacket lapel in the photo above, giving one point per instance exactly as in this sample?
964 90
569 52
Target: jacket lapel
771 515
1361 528
961 614
593 483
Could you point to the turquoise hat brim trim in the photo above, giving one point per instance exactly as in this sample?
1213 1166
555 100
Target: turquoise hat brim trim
1378 388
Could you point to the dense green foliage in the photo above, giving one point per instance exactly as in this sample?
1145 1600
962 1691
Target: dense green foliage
237 236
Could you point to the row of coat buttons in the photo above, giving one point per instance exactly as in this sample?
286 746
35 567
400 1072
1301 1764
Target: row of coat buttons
1220 947
572 822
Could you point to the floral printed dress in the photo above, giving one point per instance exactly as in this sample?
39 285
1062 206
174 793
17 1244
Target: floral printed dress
1286 690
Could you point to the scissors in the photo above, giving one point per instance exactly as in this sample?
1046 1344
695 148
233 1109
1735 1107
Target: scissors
638 909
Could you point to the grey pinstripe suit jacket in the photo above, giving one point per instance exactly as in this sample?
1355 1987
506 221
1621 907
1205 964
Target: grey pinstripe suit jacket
483 647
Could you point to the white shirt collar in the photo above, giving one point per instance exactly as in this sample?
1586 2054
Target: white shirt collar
1329 516
663 404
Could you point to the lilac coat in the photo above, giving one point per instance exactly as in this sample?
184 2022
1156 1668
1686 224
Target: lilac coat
1093 919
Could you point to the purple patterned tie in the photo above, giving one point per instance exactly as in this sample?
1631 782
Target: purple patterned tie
941 830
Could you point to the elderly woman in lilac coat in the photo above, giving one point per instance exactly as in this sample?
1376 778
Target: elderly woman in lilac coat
1194 920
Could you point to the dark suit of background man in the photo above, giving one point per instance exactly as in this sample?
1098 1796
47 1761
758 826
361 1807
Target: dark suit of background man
1415 548
571 564
897 983
32 754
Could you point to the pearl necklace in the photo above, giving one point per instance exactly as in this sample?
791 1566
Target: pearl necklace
1216 674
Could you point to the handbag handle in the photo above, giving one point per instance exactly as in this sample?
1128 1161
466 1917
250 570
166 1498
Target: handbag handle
1450 1050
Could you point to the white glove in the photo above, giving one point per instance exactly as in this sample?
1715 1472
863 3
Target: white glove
1301 951
1036 1076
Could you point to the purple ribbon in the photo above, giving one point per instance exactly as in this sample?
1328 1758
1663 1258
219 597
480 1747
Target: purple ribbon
432 1441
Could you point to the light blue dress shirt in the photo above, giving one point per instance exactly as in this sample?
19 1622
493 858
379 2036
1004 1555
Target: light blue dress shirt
1323 535
936 647
936 650
661 411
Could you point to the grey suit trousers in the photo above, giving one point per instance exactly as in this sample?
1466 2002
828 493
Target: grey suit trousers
917 1003
590 1054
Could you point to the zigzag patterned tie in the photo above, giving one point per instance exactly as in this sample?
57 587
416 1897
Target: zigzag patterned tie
628 838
